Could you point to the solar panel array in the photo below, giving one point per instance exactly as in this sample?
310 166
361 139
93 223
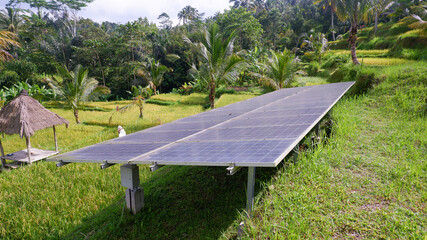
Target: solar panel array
259 131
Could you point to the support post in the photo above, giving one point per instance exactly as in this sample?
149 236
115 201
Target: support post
27 139
134 194
317 129
3 162
54 137
155 167
250 191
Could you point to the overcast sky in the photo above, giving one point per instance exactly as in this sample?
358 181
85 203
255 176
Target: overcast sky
128 10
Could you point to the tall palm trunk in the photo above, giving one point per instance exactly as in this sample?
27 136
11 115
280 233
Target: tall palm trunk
102 71
352 39
332 25
376 22
76 115
140 112
212 94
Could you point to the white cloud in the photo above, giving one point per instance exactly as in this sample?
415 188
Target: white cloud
129 10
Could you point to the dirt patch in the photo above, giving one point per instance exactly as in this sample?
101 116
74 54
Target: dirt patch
375 206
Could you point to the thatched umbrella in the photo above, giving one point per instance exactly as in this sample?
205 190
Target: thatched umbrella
24 115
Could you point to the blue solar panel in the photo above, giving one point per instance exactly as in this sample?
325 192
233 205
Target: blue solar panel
256 132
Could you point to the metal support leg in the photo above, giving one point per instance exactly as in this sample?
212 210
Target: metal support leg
250 191
317 130
134 194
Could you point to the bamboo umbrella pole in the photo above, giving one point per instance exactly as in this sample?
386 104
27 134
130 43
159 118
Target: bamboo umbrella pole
27 139
54 136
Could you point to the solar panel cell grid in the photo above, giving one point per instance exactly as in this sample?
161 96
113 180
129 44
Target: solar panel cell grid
255 132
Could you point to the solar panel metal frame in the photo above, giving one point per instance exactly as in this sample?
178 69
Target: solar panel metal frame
252 105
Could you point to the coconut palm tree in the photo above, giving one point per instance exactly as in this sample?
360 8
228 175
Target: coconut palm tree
377 8
218 61
7 40
153 72
76 87
279 70
11 19
329 4
318 43
353 10
140 94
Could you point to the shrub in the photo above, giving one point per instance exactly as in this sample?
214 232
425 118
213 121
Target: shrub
8 78
324 73
364 82
195 99
313 68
159 102
365 78
24 69
335 60
221 91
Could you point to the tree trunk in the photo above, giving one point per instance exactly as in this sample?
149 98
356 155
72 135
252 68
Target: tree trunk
140 112
212 95
76 115
102 71
352 41
332 24
376 22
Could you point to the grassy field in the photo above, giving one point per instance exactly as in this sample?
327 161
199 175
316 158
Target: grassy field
367 181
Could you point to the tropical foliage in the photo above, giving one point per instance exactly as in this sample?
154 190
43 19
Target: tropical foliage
7 40
218 63
279 70
76 87
153 73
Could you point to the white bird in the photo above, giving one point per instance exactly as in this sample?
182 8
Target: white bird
121 131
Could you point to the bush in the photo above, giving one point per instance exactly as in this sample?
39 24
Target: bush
195 99
333 61
313 68
159 102
8 78
24 69
221 91
324 73
365 78
364 82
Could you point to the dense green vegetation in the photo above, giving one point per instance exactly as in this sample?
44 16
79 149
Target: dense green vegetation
367 180
120 56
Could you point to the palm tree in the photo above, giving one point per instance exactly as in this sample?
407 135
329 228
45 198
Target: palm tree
7 40
279 70
376 9
352 10
318 43
11 19
153 72
139 95
331 4
218 61
419 14
76 87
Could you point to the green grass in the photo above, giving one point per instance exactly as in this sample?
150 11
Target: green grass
195 99
42 201
383 61
368 180
173 97
373 52
309 81
226 99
